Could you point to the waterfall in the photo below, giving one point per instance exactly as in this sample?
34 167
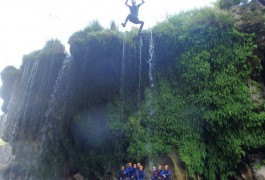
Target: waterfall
19 101
2 124
14 120
60 89
140 72
123 67
151 87
56 109
29 87
151 72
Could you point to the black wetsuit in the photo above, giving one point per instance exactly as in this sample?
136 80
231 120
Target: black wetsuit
122 175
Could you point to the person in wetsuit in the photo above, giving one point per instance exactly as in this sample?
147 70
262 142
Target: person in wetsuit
141 175
134 172
154 174
122 174
129 171
159 172
166 173
133 16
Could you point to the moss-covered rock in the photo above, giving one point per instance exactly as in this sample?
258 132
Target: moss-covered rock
94 110
8 76
250 18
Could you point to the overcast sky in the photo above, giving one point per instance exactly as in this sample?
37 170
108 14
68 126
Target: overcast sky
27 24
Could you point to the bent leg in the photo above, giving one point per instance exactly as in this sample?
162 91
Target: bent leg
141 26
126 20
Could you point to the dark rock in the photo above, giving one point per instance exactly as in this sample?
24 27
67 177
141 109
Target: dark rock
250 18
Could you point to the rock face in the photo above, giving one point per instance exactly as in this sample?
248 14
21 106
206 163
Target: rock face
260 174
57 111
51 89
250 18
6 156
27 105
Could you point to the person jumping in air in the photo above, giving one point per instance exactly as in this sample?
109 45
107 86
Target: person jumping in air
133 16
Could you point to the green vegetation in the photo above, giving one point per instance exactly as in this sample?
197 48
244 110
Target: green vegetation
201 105
52 49
259 165
226 4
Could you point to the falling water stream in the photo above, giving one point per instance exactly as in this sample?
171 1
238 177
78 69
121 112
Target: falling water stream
140 72
18 106
151 86
151 72
139 83
123 67
29 88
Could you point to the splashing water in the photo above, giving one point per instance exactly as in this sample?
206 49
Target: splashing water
140 72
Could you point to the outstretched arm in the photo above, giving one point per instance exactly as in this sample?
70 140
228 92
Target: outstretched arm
126 3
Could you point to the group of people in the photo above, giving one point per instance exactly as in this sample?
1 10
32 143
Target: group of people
160 174
137 172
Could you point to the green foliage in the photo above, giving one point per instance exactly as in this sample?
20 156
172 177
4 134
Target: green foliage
53 46
81 36
94 26
204 108
168 124
259 165
113 26
116 120
53 49
226 4
201 104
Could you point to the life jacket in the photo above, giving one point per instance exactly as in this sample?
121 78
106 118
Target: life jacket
129 172
154 175
158 173
167 176
134 172
122 175
141 174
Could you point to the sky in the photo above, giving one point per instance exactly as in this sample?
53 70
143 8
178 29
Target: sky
26 25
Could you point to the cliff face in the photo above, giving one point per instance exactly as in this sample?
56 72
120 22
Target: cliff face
118 97
30 92
53 97
250 18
